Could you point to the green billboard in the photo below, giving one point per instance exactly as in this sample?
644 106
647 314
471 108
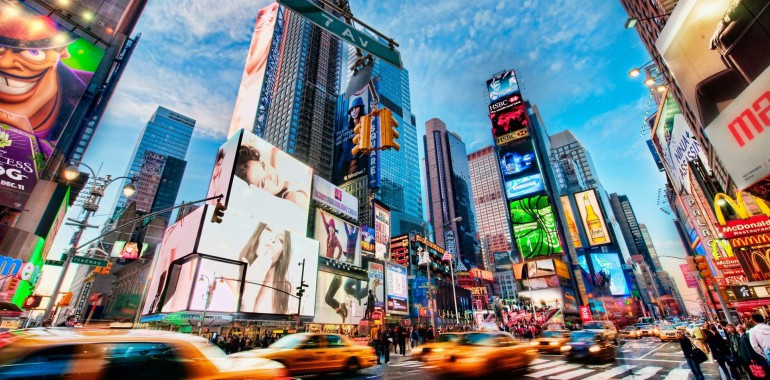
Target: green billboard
534 227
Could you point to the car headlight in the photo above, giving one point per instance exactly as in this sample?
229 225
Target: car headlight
594 349
438 350
554 343
566 348
534 344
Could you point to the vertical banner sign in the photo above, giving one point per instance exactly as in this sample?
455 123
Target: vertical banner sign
381 231
572 227
82 299
585 313
376 275
689 278
592 218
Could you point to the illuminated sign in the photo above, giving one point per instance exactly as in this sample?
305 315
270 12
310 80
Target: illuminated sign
11 267
482 274
592 218
746 224
608 275
367 239
332 196
341 239
340 299
521 174
572 227
534 227
399 250
397 290
510 123
381 231
376 273
502 85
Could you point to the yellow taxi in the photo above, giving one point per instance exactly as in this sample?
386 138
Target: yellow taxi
482 353
552 340
105 354
316 353
667 333
444 340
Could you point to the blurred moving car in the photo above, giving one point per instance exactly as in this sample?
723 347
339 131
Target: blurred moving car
606 328
667 333
315 353
443 341
122 354
589 345
646 330
481 354
552 340
630 332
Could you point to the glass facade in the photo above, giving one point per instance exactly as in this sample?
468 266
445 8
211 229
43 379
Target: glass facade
463 200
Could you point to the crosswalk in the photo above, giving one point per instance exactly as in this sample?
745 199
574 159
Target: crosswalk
555 369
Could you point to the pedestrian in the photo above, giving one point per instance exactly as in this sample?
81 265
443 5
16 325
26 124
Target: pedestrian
47 323
375 342
422 334
71 321
386 338
720 351
759 336
698 339
754 364
414 337
692 355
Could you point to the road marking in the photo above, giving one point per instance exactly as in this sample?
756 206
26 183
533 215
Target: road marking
546 365
406 364
677 354
538 361
643 374
613 372
678 374
551 371
654 360
572 374
647 354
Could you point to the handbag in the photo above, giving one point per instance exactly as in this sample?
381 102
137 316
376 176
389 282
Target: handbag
756 369
699 356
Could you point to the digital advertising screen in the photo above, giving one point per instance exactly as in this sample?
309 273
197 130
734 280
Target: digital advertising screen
18 150
397 290
534 227
367 240
521 173
592 218
198 278
399 249
571 223
128 250
502 85
503 261
340 201
510 125
347 166
609 278
341 299
381 231
252 80
376 273
224 165
340 240
540 268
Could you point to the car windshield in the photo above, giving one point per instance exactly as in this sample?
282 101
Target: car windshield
646 327
553 334
629 328
478 339
447 338
593 326
583 336
290 341
667 327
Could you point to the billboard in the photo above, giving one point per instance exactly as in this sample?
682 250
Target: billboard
399 249
367 240
510 124
252 80
592 218
571 225
502 85
689 278
521 174
609 278
376 273
339 239
503 261
534 227
540 268
715 51
18 166
128 250
222 174
397 290
332 196
340 299
381 231
348 167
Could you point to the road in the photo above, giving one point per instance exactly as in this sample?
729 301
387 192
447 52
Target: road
642 359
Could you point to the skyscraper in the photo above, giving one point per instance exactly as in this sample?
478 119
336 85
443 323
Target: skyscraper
167 134
450 192
489 205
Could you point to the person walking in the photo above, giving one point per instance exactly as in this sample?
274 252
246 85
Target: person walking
402 339
375 342
698 339
386 338
414 337
750 358
720 351
759 335
689 351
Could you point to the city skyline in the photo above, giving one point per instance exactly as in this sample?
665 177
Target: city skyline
585 79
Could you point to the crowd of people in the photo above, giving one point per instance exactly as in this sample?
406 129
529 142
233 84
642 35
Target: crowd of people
742 351
231 344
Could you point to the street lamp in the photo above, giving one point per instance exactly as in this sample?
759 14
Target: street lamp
91 205
632 21
209 291
452 271
431 299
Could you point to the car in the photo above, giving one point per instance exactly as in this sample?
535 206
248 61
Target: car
646 330
126 354
552 340
629 332
690 328
589 345
668 333
482 353
443 341
606 328
315 353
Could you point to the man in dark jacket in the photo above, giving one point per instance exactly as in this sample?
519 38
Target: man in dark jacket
748 356
721 353
401 338
386 338
688 349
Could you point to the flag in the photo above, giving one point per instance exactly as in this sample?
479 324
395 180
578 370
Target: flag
446 257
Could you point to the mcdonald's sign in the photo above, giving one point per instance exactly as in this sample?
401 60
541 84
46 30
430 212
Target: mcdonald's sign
747 224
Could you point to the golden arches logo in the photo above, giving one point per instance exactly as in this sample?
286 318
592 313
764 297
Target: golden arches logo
738 206
756 256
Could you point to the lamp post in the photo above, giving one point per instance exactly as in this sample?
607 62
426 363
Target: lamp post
431 302
632 21
91 205
451 268
209 290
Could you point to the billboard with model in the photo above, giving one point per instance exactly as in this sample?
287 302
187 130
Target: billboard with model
339 239
340 299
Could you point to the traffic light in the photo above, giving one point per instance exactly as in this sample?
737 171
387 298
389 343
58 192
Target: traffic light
104 270
32 302
702 265
301 289
362 135
388 133
219 213
65 300
12 285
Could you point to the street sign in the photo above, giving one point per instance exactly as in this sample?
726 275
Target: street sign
339 28
57 263
89 261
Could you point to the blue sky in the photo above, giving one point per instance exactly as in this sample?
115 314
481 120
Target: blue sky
572 58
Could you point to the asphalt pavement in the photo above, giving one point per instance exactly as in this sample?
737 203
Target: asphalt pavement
641 359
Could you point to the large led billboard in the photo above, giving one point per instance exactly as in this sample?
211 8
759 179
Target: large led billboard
521 174
367 240
222 174
381 231
128 250
397 290
592 218
609 278
571 224
376 273
252 80
399 249
502 85
348 166
340 201
511 124
534 227
340 299
716 51
340 240
46 70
